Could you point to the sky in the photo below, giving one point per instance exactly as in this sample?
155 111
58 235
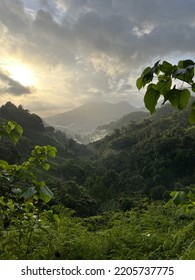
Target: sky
58 54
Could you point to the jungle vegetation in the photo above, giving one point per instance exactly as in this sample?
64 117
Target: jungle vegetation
129 195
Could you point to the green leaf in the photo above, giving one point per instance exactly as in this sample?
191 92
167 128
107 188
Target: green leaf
14 131
46 166
166 68
51 151
14 136
163 86
45 194
3 164
11 125
38 149
185 74
148 73
139 83
29 192
185 63
179 197
146 76
161 78
179 98
150 99
56 218
19 129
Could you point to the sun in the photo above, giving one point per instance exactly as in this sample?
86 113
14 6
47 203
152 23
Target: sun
22 74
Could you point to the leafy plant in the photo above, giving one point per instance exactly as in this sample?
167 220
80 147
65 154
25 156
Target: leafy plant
11 130
166 77
185 201
23 197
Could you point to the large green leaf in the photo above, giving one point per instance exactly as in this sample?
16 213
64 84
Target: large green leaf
179 98
185 63
45 194
185 74
151 98
163 86
166 68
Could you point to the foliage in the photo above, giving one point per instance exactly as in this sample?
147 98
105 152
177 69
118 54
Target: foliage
166 85
135 234
11 130
22 195
185 201
166 73
75 197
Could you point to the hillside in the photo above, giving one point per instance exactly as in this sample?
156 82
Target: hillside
123 122
87 117
34 133
153 156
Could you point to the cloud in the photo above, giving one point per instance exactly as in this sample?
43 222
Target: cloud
13 17
10 86
83 49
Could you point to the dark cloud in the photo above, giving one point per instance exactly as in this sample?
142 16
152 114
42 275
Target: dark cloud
8 85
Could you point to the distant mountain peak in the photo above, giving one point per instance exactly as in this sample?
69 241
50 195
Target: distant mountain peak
85 118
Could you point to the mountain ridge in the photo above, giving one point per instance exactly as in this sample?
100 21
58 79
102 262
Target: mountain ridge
85 118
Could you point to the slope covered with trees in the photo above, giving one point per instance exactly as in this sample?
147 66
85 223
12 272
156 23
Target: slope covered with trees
35 132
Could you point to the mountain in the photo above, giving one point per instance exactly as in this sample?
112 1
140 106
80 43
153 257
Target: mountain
23 117
136 116
87 117
34 133
123 122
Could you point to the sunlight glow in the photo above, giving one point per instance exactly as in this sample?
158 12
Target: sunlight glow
21 74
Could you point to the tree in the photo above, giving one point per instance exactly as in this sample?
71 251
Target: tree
172 82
